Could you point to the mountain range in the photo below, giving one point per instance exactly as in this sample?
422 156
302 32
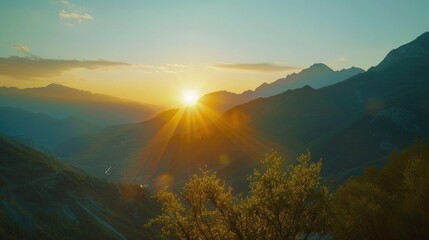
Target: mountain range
316 76
119 141
58 113
62 102
351 124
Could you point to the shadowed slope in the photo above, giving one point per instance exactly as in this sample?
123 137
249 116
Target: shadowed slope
41 198
40 130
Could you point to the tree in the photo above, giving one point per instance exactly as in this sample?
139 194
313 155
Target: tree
391 203
289 203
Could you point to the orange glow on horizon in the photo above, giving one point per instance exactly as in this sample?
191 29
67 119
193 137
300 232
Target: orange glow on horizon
183 129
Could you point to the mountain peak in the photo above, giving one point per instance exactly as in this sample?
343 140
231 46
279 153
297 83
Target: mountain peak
55 85
316 69
320 66
59 89
413 49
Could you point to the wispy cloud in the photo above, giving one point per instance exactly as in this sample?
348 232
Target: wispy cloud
256 67
73 12
22 47
175 65
25 68
75 15
172 68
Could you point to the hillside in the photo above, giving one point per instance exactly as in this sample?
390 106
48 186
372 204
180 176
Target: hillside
107 148
40 130
61 102
42 198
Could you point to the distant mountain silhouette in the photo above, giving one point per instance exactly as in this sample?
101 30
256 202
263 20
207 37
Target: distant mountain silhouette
317 75
350 124
60 102
40 130
43 198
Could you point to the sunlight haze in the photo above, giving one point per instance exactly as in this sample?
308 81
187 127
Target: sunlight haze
210 45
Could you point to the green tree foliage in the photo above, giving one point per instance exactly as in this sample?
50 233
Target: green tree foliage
391 203
289 203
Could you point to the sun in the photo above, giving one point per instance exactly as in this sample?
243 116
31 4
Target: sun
190 97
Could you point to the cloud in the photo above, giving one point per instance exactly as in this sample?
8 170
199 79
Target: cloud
25 68
73 13
171 68
175 65
256 67
23 48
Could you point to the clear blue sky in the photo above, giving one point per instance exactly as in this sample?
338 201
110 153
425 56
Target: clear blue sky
202 34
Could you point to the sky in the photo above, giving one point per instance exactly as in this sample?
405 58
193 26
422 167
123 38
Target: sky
153 51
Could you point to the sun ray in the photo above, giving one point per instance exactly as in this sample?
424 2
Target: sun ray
178 137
